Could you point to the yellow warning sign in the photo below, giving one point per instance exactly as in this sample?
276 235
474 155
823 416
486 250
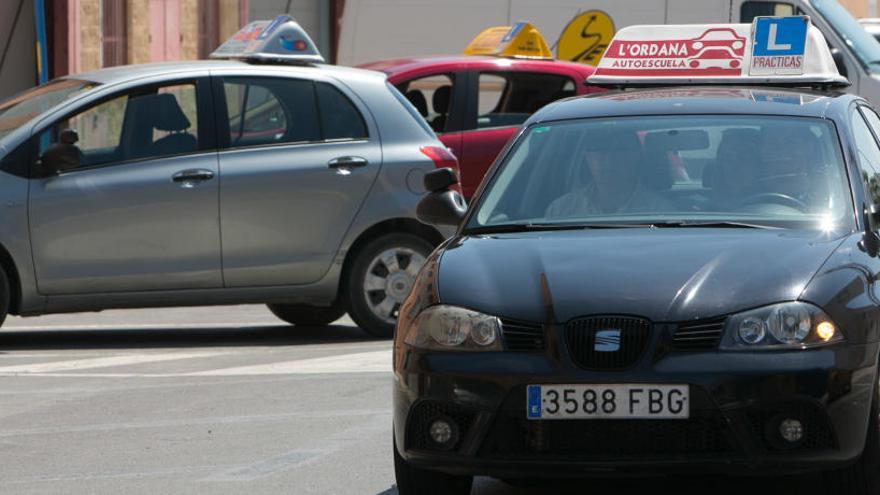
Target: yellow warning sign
522 40
585 38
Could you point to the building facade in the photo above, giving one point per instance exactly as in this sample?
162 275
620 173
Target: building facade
82 35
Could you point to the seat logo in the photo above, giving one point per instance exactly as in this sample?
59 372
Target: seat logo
607 341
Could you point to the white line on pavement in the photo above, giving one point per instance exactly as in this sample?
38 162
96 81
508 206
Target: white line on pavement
363 362
101 362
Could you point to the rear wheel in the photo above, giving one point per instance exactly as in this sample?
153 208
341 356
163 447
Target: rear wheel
863 477
305 315
380 278
415 481
4 296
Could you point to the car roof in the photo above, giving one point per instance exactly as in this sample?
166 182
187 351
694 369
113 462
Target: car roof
694 100
128 73
396 66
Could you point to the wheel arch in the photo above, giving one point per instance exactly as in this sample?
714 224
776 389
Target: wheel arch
390 226
7 264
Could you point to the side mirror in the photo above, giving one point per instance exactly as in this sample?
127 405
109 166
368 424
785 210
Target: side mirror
840 61
63 155
870 242
442 205
440 179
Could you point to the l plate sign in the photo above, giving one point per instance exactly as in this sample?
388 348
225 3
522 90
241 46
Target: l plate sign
778 45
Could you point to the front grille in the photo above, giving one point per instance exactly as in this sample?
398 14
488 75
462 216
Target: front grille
426 412
522 336
621 342
514 437
698 336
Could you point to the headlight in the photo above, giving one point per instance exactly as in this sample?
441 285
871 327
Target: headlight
455 329
791 325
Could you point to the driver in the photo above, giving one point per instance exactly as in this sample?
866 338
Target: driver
788 156
615 186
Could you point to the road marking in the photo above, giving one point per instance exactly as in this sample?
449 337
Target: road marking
101 362
145 326
362 362
362 431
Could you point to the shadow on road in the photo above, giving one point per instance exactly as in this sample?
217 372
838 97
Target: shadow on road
677 485
145 338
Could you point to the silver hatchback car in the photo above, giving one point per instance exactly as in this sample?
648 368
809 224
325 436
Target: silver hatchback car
215 182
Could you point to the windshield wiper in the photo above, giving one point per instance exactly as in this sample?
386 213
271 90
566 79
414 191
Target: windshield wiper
712 224
539 227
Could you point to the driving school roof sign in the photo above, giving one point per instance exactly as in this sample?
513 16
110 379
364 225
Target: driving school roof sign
281 39
772 49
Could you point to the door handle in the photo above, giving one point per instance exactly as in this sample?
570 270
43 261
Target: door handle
348 162
188 178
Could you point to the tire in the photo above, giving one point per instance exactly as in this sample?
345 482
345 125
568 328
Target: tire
305 315
4 296
381 276
863 477
415 481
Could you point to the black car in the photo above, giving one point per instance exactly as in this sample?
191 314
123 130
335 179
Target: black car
653 280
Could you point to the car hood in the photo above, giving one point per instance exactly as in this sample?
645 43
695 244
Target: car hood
660 274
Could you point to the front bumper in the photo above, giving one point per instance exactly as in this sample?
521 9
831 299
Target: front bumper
736 398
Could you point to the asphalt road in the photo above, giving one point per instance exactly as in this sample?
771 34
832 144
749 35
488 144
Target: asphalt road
220 400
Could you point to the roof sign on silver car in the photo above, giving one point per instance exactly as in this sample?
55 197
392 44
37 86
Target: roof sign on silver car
280 40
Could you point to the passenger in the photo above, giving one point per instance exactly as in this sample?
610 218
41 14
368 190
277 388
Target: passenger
736 164
616 185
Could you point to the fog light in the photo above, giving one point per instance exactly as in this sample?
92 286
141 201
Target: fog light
442 432
825 330
792 430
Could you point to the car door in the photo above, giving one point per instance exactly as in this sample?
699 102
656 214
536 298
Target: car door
138 211
297 161
500 102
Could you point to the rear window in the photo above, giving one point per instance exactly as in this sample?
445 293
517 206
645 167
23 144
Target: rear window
340 119
420 121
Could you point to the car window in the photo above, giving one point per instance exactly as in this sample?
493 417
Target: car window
749 10
507 99
143 124
19 109
759 169
432 96
340 119
265 111
869 152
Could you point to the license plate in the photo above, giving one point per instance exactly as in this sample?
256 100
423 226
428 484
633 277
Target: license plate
620 401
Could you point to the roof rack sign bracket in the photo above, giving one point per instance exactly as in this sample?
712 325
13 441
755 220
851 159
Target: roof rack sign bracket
280 40
777 51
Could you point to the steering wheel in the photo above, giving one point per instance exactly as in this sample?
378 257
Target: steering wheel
775 198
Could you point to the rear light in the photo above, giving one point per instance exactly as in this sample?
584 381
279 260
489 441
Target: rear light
443 158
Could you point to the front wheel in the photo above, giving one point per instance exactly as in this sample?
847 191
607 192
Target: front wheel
415 481
380 278
863 477
4 296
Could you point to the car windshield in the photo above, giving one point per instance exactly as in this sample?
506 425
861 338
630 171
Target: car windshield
19 109
758 170
863 45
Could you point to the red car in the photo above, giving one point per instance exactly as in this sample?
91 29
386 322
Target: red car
476 103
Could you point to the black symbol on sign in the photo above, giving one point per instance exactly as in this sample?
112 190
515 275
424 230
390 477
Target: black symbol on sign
595 48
